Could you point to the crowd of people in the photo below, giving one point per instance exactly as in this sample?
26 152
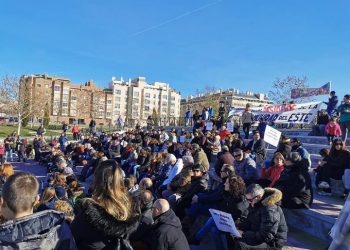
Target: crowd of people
153 189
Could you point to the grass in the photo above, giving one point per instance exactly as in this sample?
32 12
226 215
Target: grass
27 131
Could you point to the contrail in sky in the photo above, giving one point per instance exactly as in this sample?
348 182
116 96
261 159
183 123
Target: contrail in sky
176 18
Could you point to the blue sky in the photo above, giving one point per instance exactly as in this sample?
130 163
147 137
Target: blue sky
243 44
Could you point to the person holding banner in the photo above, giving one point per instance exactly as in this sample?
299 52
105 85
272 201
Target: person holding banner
257 150
265 227
331 104
247 120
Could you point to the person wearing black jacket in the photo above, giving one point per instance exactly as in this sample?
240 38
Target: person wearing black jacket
199 183
295 183
166 231
265 226
233 202
257 147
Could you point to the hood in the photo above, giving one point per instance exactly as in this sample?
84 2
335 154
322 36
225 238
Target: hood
168 218
271 197
106 223
37 225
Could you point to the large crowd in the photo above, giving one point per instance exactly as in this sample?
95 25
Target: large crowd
148 188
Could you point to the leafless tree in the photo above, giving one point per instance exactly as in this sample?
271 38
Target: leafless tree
281 89
210 96
18 99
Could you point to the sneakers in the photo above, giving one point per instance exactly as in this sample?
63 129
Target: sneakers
323 185
323 193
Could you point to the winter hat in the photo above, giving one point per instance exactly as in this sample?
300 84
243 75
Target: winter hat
60 192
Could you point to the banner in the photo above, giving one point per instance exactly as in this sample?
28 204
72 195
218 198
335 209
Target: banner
307 92
209 126
224 222
272 136
300 113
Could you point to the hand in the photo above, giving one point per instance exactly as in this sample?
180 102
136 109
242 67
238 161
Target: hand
195 199
322 163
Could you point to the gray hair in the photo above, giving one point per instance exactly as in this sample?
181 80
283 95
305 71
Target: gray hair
187 160
255 190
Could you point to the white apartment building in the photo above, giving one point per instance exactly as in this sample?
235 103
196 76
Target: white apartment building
136 99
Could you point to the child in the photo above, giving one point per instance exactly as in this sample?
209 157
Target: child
332 129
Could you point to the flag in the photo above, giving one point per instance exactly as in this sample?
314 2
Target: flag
307 92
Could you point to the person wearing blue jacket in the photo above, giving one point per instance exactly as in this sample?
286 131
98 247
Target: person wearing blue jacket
332 103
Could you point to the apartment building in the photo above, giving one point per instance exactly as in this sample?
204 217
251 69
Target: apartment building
71 102
230 97
136 100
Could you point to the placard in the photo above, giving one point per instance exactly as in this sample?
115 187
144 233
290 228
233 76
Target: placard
272 135
209 126
224 222
230 126
182 139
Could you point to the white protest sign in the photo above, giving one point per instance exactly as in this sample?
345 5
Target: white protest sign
182 139
224 222
230 126
209 126
272 136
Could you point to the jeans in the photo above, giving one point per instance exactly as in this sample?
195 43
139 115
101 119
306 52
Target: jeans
215 234
246 128
345 127
7 154
199 208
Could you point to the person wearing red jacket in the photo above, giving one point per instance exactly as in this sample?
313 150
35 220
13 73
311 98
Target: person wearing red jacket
2 152
271 175
333 130
75 131
223 133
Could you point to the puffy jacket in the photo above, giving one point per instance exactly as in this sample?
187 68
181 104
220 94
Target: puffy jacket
332 104
236 206
266 222
167 234
247 117
201 158
42 230
344 110
246 168
94 228
258 149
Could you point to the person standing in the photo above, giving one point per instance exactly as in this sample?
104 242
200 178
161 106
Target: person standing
344 119
92 127
75 131
188 117
41 130
331 104
247 120
64 127
8 148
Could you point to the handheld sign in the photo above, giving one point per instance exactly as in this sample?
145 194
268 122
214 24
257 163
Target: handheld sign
209 126
230 126
182 139
224 222
272 136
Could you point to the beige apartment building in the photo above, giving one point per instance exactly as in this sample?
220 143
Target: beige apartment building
135 100
71 102
230 97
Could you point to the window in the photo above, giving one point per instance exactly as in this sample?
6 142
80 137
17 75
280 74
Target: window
65 97
117 92
57 88
65 91
136 94
147 95
64 111
108 114
147 101
117 106
135 107
117 99
164 110
101 108
165 97
38 85
154 96
135 100
147 108
117 112
173 98
73 98
109 101
164 104
64 104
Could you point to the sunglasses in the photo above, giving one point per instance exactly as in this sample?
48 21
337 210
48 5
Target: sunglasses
239 155
250 200
338 144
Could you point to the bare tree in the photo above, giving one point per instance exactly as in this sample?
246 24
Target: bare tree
18 99
210 96
281 89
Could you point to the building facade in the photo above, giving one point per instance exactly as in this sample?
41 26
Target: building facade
135 100
69 102
230 98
